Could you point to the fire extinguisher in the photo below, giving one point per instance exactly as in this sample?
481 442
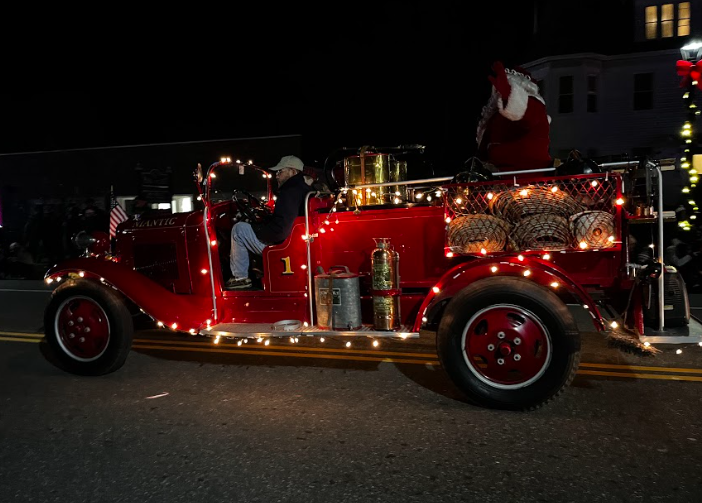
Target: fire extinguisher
385 266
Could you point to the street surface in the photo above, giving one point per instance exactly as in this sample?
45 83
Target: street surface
185 420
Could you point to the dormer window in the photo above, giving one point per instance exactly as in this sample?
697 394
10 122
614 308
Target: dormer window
667 20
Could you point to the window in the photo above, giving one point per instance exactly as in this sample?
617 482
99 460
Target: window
592 93
667 21
651 22
643 91
683 19
565 94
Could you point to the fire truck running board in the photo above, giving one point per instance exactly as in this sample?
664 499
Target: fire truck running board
283 329
690 334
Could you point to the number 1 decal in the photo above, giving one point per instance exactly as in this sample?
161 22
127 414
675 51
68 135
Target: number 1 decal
286 262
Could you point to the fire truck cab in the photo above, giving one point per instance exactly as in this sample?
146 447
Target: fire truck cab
490 265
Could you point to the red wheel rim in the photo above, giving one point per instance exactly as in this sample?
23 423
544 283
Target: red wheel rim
506 346
82 328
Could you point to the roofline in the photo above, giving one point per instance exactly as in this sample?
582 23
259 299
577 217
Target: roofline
601 57
115 147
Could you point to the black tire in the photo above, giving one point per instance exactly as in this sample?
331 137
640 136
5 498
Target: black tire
108 341
552 343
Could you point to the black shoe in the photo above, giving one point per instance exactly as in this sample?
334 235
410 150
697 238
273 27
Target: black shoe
238 284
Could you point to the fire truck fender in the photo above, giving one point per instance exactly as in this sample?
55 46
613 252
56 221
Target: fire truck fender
539 271
177 312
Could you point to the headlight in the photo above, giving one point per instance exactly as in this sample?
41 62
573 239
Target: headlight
94 244
83 240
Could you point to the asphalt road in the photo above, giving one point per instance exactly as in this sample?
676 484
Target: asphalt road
188 421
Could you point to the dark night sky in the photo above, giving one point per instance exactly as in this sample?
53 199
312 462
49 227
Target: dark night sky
378 73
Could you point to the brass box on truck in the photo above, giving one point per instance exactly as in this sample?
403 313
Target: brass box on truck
375 168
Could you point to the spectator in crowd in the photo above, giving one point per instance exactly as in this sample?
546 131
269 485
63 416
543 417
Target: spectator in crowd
685 264
94 218
669 255
71 226
141 206
33 231
52 235
3 262
20 264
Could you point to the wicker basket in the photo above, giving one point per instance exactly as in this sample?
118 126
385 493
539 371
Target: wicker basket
594 228
474 233
517 203
541 232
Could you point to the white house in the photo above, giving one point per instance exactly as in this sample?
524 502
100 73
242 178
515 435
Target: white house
628 103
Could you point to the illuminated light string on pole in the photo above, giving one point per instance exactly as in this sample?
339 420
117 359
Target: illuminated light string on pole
689 68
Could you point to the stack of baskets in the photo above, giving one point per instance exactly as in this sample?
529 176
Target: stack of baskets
531 218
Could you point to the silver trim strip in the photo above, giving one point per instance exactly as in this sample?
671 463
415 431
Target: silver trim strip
659 217
205 218
309 255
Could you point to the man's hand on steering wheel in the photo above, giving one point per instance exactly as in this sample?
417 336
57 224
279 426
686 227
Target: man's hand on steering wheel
249 206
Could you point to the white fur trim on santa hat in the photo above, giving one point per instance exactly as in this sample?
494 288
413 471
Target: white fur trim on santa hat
521 89
516 105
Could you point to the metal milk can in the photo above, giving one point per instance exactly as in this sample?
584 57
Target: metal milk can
338 299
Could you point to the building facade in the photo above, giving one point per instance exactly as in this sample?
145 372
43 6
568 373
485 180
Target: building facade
625 99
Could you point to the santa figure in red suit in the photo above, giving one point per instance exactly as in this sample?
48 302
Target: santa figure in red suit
513 131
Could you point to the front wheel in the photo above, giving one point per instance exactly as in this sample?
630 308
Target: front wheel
508 343
88 328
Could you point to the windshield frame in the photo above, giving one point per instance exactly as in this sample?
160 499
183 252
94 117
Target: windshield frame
205 187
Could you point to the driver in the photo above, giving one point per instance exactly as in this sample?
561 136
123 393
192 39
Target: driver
292 189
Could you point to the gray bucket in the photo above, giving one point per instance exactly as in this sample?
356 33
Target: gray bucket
338 299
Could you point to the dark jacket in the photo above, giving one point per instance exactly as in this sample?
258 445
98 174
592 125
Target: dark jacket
289 205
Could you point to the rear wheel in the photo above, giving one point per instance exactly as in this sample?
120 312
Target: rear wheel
508 343
88 328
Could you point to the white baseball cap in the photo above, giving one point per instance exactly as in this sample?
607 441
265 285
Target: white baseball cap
289 161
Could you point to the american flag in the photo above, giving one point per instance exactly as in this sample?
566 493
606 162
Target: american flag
117 215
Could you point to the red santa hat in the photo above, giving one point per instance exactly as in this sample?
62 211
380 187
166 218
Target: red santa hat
522 87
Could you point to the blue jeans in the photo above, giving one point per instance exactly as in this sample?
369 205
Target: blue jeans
243 241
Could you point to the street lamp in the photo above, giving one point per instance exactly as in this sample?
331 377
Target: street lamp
692 51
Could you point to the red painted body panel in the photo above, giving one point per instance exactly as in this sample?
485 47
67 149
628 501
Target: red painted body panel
538 270
165 268
417 234
591 269
187 311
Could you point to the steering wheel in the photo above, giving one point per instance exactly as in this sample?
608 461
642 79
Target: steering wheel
249 206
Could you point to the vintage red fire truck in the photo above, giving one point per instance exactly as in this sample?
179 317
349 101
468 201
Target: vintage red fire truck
494 264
